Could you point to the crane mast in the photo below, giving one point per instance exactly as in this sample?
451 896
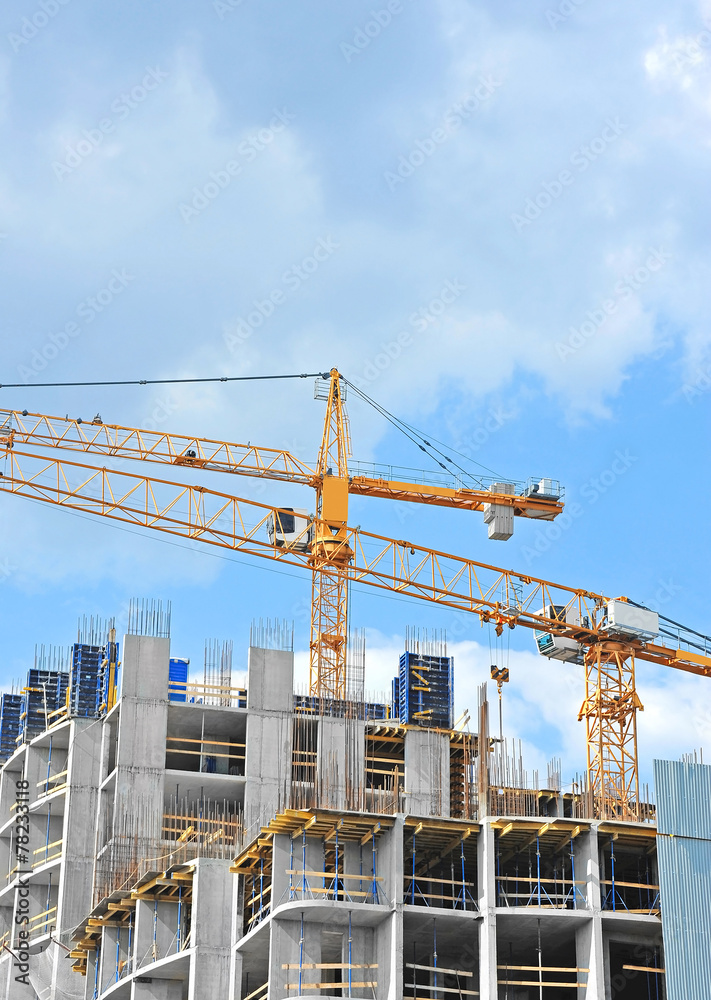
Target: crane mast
330 554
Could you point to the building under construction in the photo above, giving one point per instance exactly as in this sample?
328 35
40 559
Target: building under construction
167 836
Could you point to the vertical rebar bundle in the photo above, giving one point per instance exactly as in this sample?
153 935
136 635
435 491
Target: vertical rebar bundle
425 642
272 633
53 659
147 616
355 666
93 631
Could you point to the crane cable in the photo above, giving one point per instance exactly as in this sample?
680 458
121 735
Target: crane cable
416 437
160 381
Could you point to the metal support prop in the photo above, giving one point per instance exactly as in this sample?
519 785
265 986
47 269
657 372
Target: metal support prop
155 930
412 887
49 900
301 952
129 957
180 916
350 953
96 973
375 873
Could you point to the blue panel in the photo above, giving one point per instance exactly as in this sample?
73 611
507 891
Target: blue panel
41 697
86 694
177 679
10 709
684 851
426 690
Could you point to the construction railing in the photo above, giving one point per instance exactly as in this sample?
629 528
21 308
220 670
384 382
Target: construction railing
445 982
342 968
43 923
261 993
630 897
522 976
206 753
305 884
52 783
208 694
43 854
440 892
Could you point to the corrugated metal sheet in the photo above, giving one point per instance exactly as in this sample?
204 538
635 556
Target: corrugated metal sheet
683 799
683 794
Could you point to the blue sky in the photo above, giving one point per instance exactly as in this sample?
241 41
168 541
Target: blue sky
176 164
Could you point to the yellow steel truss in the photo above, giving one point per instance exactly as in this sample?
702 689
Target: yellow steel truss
610 712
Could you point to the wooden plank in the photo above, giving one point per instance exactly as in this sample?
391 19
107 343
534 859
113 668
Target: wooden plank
629 885
561 986
539 968
340 875
330 986
441 989
328 965
432 968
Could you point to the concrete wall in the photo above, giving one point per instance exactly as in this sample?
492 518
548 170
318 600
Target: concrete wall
140 755
426 772
269 733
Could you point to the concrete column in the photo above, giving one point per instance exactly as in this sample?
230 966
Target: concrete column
488 989
389 956
270 697
210 932
270 680
107 963
143 934
340 770
389 934
589 940
587 867
281 863
426 772
82 796
140 755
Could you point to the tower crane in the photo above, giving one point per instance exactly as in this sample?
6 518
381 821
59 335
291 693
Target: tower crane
571 624
331 480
